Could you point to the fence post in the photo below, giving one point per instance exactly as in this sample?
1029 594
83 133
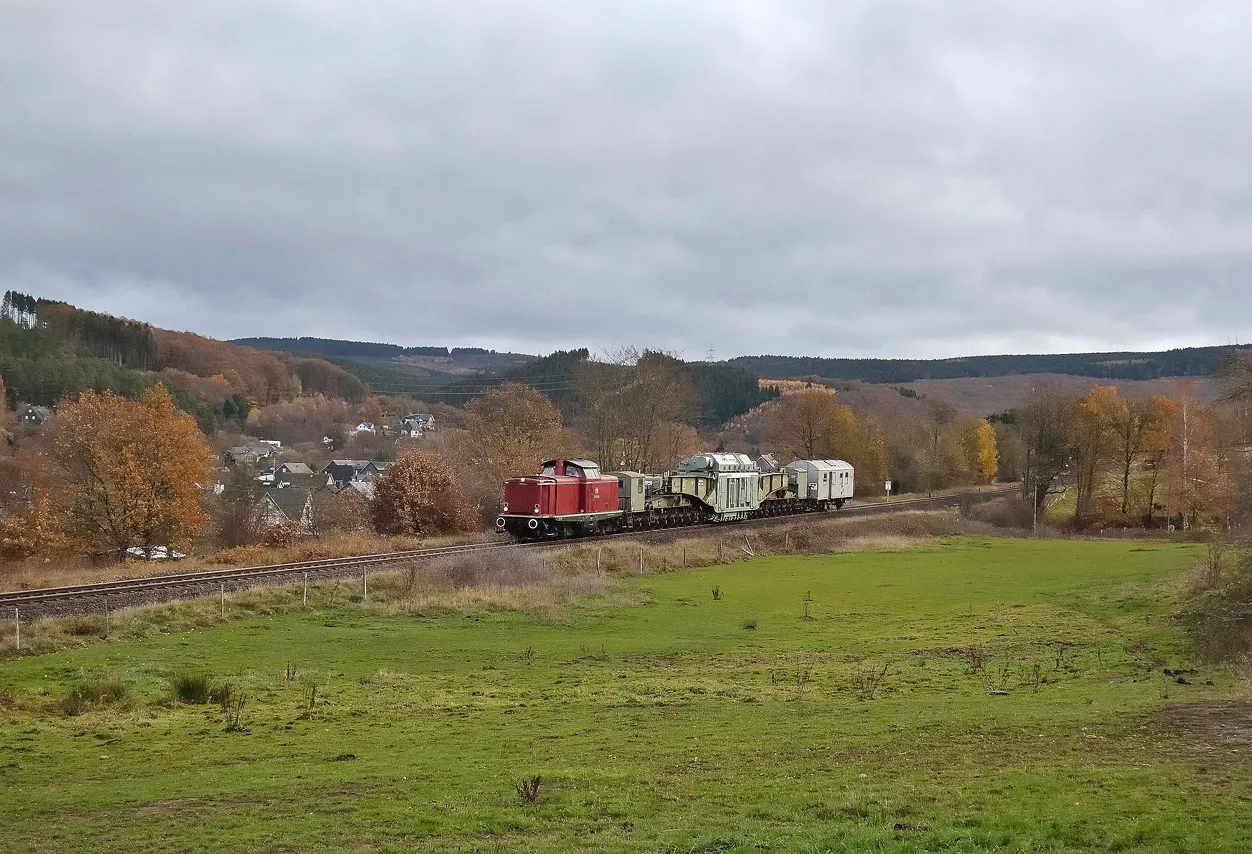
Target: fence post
365 585
684 557
599 549
106 614
223 600
641 560
17 624
719 551
306 588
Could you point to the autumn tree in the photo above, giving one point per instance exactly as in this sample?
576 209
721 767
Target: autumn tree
862 442
33 530
1198 473
345 511
804 424
511 429
1092 443
1136 425
978 445
809 424
129 472
417 495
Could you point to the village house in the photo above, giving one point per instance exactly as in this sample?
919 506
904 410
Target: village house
342 472
253 452
33 416
287 504
297 474
365 488
372 469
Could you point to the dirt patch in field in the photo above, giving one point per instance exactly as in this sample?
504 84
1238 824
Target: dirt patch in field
1222 720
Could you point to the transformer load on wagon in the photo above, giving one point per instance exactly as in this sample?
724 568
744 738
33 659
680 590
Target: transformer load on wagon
571 498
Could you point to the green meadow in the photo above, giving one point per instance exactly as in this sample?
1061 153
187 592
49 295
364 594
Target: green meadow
972 695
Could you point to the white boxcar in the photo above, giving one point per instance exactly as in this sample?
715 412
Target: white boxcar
823 480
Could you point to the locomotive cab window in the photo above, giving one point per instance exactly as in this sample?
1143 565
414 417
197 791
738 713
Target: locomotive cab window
549 470
573 471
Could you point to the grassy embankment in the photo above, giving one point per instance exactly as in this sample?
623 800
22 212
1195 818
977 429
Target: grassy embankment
843 702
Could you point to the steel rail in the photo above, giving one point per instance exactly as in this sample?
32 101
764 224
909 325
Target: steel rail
272 572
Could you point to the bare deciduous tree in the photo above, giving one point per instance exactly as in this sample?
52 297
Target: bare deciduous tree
1044 425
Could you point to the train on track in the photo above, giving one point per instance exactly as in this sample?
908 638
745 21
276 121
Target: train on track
571 498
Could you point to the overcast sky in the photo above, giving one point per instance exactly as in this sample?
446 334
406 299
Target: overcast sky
879 178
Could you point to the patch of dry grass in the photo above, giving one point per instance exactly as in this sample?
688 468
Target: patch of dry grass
806 535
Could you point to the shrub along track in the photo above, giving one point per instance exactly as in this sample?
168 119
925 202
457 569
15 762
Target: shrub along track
100 597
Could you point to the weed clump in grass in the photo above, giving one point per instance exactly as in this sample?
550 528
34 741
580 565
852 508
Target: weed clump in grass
232 709
717 594
750 623
194 689
868 681
84 626
528 790
221 694
93 694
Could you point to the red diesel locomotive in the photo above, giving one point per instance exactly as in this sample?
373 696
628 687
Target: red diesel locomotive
565 494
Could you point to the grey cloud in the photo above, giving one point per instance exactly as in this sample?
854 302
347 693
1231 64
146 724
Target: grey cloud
890 178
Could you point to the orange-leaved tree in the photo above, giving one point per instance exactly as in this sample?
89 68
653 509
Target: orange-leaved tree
128 473
417 495
510 430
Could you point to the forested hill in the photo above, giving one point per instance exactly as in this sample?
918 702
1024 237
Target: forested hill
1186 362
51 350
712 392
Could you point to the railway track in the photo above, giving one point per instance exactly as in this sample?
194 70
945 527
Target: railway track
103 596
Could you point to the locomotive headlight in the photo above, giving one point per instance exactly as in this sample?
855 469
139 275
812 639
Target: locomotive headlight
536 508
505 507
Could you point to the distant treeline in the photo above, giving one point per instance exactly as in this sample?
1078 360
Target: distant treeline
337 348
1186 362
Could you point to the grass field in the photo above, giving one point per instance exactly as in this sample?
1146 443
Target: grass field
980 695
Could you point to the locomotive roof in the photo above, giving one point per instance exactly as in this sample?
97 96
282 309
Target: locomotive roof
587 464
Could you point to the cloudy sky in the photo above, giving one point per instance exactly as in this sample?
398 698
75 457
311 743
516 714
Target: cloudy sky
878 178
